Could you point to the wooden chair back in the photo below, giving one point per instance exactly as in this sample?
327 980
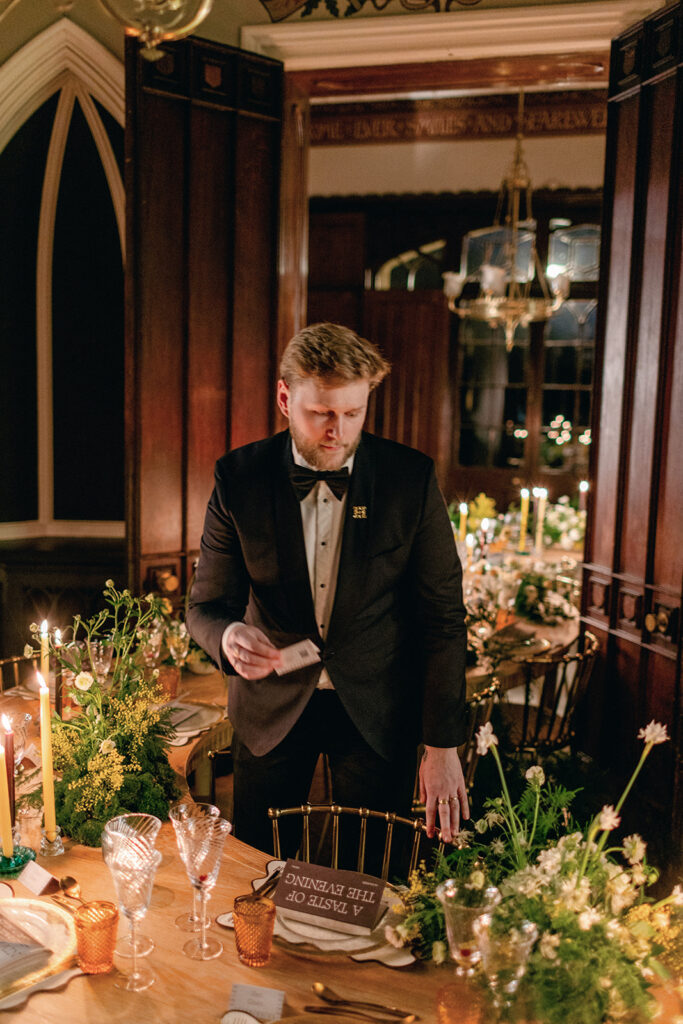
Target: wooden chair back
14 670
553 688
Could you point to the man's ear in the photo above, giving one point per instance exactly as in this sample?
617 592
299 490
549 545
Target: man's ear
283 394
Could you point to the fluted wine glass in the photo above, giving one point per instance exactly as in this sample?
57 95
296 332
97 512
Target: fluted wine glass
190 921
462 905
201 837
147 827
133 863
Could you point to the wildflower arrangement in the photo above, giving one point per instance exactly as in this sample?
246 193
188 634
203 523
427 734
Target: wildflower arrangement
112 755
564 525
599 937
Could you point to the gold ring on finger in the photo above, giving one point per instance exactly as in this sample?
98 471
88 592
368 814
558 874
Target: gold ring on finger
442 800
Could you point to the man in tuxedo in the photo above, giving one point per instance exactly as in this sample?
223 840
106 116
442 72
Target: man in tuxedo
327 533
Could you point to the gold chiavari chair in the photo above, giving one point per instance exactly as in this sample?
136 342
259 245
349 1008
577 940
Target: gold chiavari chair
15 670
553 687
335 812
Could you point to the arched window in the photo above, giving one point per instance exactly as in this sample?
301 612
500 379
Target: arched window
61 288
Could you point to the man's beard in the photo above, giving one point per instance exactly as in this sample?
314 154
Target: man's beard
317 457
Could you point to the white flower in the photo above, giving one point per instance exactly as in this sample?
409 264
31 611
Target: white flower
477 880
392 937
588 918
548 945
28 651
634 848
498 847
574 897
608 818
676 896
493 818
461 839
486 738
109 584
107 747
535 775
84 680
638 876
149 598
481 825
549 860
439 952
654 733
403 931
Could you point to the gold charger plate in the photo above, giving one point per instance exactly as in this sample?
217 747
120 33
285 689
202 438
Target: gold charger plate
49 925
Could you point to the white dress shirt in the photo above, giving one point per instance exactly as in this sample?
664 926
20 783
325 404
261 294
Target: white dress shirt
322 518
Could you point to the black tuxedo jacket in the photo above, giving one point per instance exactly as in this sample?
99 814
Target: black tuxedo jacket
395 649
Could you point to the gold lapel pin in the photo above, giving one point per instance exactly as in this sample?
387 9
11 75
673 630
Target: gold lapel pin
360 512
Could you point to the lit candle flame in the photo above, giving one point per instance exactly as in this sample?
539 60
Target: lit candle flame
6 724
58 638
41 682
43 628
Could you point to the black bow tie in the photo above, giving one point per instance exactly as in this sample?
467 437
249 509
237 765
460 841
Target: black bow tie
304 480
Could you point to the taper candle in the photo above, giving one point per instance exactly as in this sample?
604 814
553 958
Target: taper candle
524 519
44 651
463 521
584 487
46 754
540 516
9 756
5 820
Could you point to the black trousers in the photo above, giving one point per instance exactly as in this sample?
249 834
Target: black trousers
282 778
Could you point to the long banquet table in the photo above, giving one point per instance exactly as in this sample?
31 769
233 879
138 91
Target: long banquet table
188 991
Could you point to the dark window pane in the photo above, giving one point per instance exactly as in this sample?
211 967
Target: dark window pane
510 450
482 406
517 364
477 446
563 325
552 454
22 166
586 359
515 406
557 406
560 364
87 311
584 408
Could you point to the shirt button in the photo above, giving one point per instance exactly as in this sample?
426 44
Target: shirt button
324 501
323 543
322 586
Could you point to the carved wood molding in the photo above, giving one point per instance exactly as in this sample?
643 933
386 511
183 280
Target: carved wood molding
482 117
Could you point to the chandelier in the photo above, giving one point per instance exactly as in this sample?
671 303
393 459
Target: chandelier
157 21
504 261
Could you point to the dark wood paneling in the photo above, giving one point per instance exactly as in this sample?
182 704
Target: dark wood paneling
589 69
642 414
614 350
209 302
293 244
255 254
162 324
412 405
202 148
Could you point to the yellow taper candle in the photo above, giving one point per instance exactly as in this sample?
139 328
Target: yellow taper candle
5 818
540 516
44 651
463 521
524 519
46 754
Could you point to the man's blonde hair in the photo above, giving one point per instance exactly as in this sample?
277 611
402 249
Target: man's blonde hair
330 351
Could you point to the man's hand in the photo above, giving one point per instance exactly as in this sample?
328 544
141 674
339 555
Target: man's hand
442 790
251 653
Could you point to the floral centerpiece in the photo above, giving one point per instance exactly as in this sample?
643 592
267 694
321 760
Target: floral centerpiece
564 525
112 755
545 597
598 934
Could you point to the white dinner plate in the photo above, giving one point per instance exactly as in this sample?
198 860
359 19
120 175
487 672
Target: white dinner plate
203 718
49 925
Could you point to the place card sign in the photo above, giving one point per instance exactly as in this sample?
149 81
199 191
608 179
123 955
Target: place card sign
345 901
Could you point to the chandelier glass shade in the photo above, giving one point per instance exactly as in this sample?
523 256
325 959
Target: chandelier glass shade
157 21
504 262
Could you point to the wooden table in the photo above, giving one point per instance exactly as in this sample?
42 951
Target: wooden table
189 991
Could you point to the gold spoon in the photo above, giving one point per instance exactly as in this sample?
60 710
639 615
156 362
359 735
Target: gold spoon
71 888
330 996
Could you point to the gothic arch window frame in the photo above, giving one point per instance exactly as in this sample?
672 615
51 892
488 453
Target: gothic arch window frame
64 59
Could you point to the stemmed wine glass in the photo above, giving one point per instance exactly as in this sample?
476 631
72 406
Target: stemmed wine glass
201 837
504 958
190 921
133 864
145 826
178 642
101 653
462 906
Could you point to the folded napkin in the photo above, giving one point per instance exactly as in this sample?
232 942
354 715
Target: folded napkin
20 953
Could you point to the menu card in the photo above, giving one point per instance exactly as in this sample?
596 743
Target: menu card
345 901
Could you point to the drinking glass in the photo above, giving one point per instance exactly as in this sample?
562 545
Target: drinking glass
201 837
147 827
150 644
456 900
19 721
190 921
178 642
133 863
101 653
504 957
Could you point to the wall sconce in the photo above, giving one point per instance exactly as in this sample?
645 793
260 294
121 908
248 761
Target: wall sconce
157 21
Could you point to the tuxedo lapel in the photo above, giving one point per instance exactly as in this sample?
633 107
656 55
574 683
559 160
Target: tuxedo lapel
290 548
355 540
